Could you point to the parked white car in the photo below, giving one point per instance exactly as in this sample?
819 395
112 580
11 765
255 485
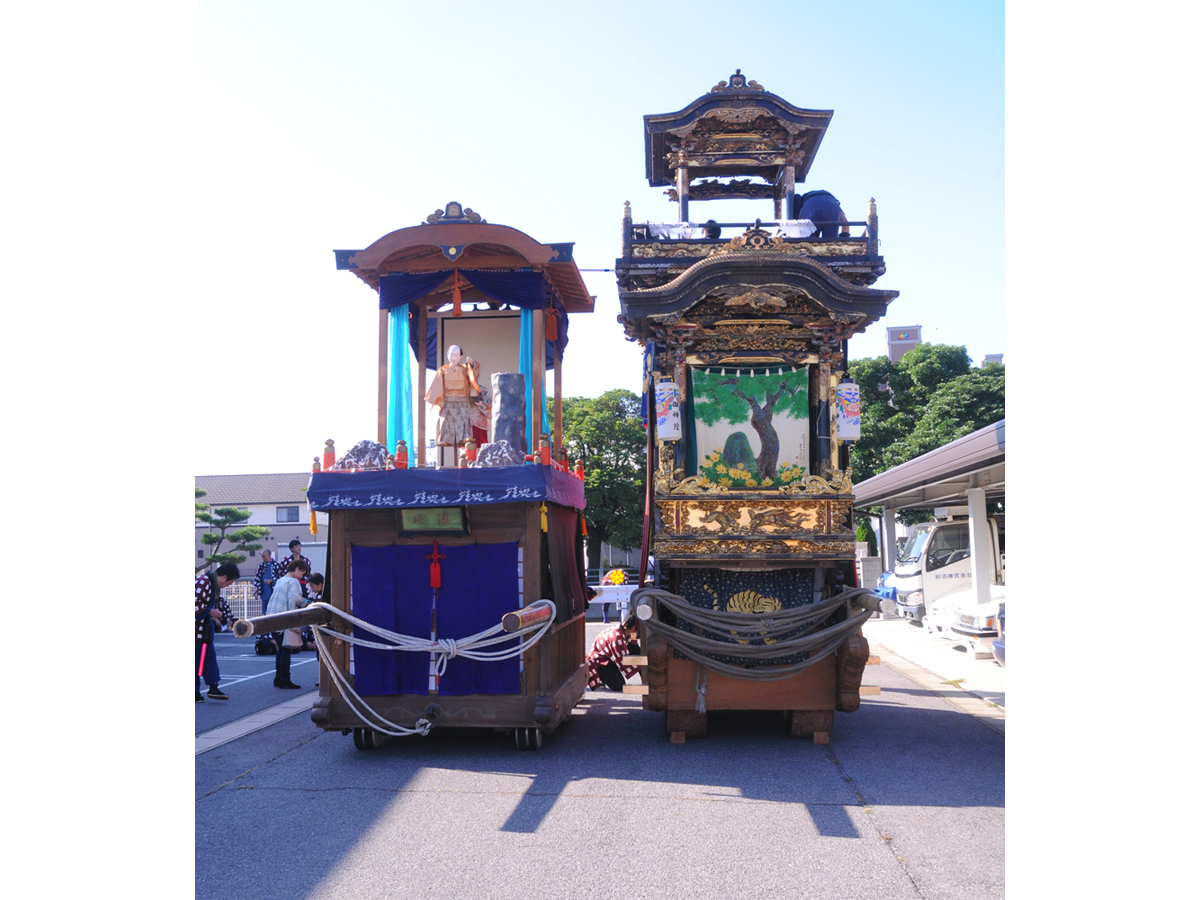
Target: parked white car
957 617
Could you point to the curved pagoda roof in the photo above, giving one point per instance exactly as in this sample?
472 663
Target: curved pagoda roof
737 128
753 283
459 237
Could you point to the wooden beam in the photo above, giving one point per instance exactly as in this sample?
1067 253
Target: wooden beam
635 661
869 690
635 689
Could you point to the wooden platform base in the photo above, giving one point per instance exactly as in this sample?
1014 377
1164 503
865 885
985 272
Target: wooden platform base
544 711
686 722
816 724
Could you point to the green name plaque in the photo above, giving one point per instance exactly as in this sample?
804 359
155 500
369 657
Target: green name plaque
432 520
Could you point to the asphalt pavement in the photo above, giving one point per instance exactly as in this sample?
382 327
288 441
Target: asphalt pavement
906 801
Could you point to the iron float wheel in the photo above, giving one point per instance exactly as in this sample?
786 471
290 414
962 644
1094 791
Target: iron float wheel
367 739
529 738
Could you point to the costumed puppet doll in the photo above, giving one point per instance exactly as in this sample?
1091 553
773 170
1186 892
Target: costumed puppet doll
452 391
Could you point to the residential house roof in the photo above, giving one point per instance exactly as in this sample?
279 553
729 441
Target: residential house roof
243 490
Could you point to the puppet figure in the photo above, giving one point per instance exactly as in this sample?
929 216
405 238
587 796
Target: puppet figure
454 386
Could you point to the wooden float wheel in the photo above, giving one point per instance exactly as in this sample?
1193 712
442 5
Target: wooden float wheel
529 738
805 723
685 723
367 739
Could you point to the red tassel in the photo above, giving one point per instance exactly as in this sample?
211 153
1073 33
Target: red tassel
552 325
435 567
456 295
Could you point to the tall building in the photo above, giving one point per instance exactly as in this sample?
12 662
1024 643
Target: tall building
901 340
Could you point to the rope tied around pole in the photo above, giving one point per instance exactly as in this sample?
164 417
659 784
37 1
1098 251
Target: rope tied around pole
476 647
782 633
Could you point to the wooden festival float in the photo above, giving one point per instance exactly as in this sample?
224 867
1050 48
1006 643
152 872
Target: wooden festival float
754 606
456 591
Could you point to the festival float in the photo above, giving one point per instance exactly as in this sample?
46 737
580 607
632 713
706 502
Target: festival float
754 605
455 591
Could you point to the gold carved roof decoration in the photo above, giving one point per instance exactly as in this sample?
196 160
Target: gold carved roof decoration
737 82
756 298
697 485
454 212
691 250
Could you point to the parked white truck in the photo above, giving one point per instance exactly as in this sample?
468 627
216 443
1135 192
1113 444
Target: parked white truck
936 561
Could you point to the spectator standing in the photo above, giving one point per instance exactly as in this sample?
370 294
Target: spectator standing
264 579
211 613
281 569
287 596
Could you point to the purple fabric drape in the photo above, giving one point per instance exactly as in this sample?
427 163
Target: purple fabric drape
390 588
398 288
479 585
520 289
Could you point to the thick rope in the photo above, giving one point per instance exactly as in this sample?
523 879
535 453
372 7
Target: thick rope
471 647
783 633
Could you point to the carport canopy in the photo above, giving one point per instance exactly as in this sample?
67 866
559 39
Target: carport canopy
941 477
968 471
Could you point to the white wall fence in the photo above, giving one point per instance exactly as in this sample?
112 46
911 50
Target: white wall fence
241 599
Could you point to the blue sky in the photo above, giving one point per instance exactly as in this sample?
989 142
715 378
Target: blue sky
324 126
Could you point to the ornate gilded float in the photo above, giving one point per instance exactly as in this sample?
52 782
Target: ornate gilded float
746 342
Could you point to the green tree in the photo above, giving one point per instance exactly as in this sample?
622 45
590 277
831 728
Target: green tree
955 409
928 399
242 539
924 369
894 396
754 400
882 421
864 532
606 433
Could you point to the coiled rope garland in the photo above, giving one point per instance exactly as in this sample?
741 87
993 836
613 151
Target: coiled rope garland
446 648
788 631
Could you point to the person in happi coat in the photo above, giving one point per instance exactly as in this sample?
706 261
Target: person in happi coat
294 550
604 662
212 612
265 578
316 586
